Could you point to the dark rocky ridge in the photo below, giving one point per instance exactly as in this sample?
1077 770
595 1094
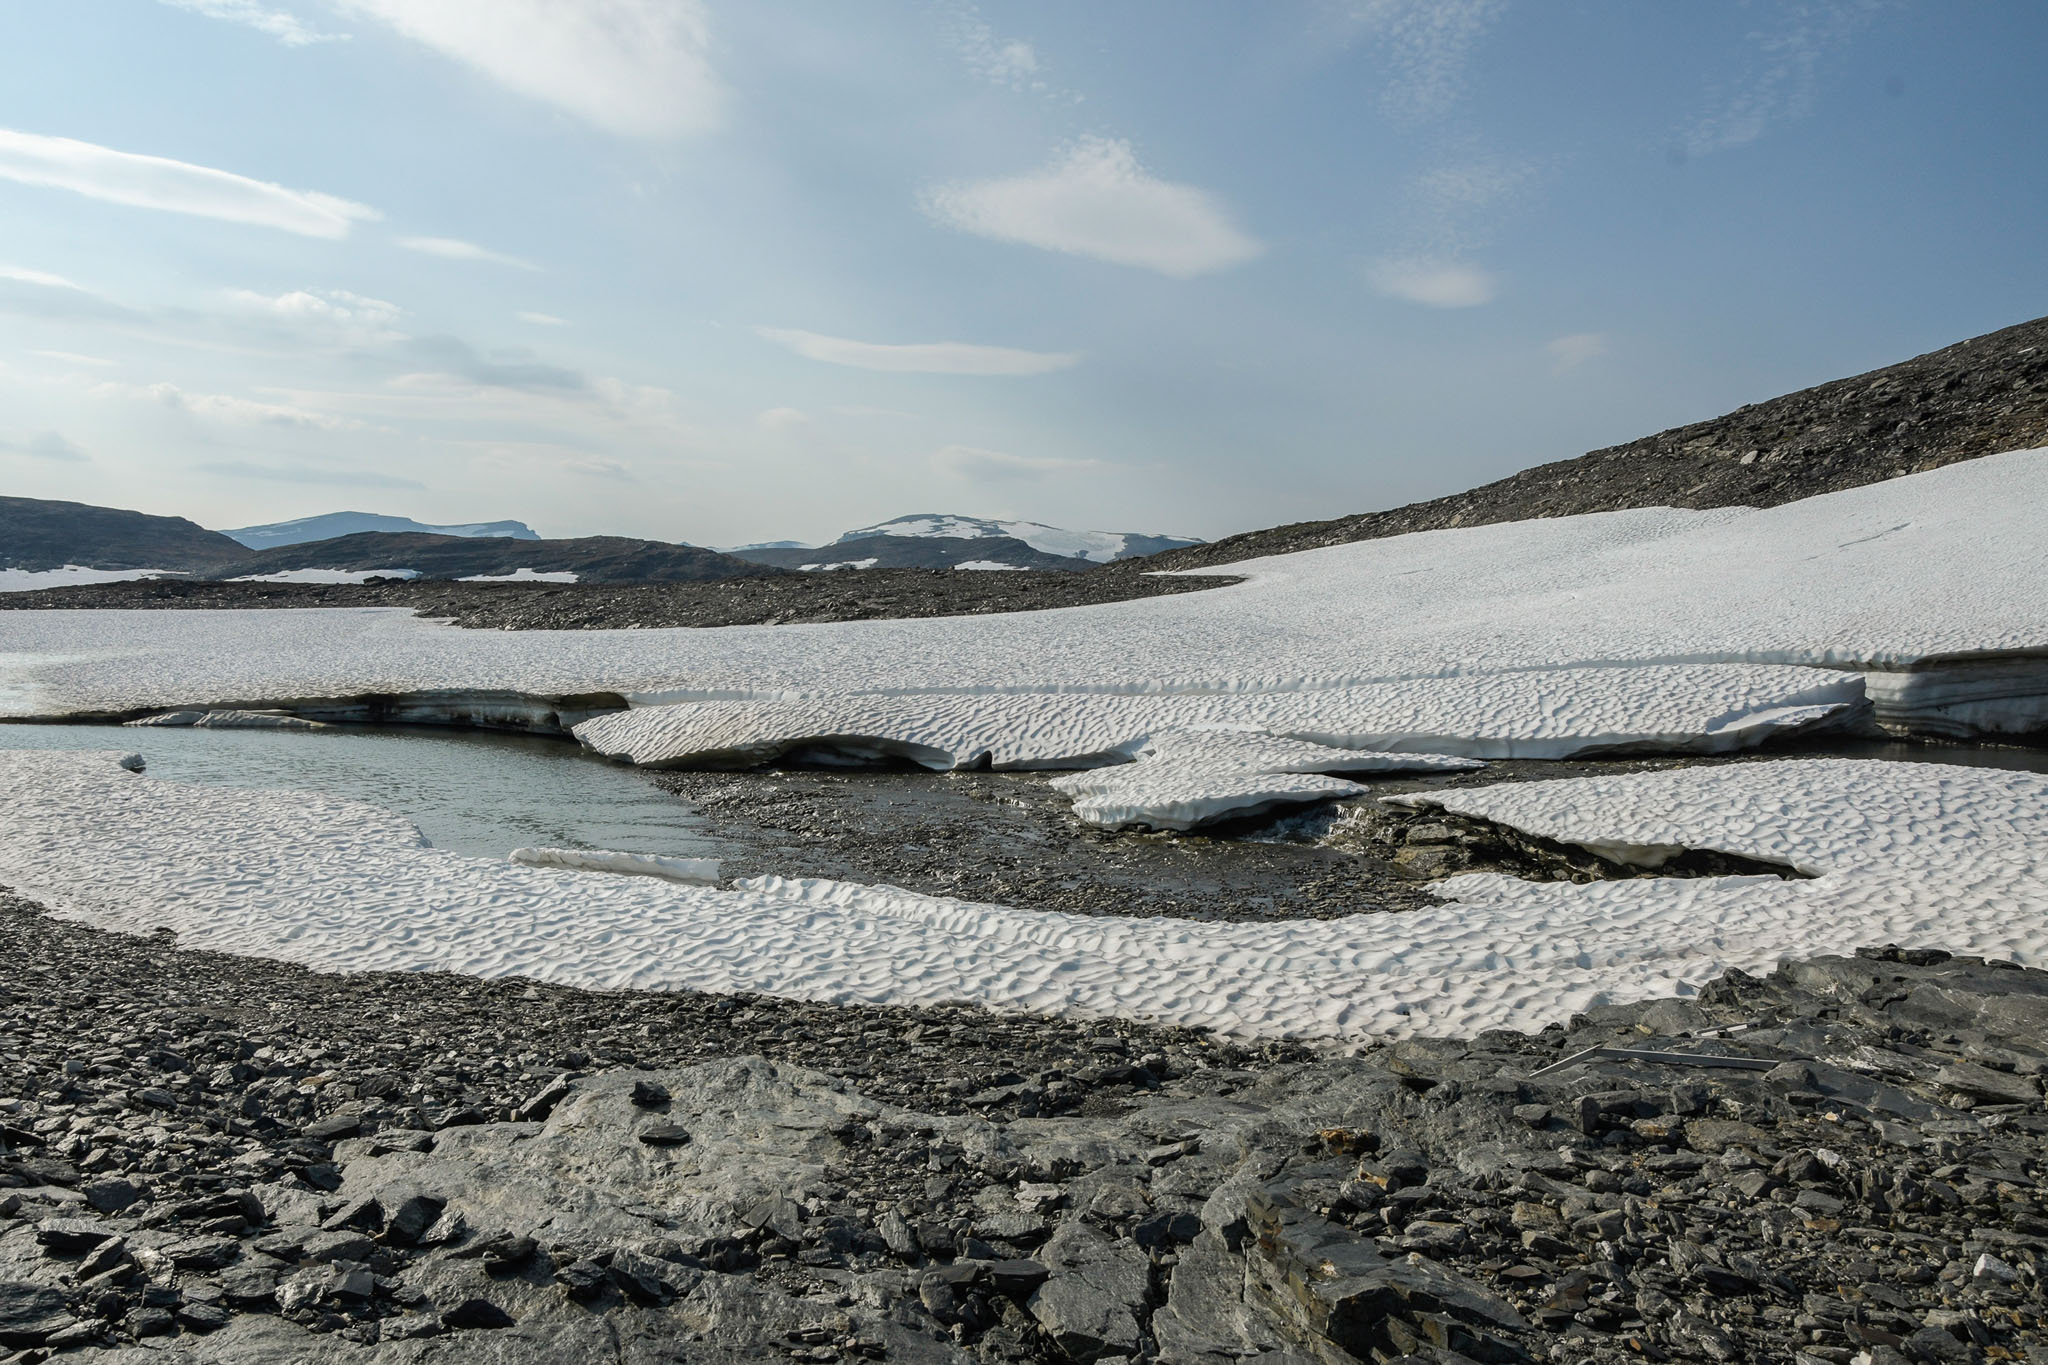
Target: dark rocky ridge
37 534
594 559
1978 397
771 598
234 1160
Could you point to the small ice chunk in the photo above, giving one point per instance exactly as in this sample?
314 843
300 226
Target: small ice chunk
696 871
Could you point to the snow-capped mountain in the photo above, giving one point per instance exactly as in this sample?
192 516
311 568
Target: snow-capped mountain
1099 547
332 524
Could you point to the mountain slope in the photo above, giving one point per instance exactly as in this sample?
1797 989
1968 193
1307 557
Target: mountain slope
1099 547
1978 397
593 559
332 524
37 534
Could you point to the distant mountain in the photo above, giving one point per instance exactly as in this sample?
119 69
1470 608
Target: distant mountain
593 559
917 552
936 541
35 534
332 524
1097 547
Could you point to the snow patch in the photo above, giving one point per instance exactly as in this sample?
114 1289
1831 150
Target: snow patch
523 576
33 580
326 575
990 564
1181 779
1929 855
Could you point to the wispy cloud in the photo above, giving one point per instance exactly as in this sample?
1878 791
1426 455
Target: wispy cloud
998 466
455 249
1432 283
1780 76
1011 63
1423 46
75 358
300 473
543 319
934 357
1096 200
330 316
453 357
226 409
46 445
638 68
286 28
38 293
781 419
1569 352
155 182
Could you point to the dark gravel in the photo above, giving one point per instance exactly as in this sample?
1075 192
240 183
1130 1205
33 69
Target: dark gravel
770 599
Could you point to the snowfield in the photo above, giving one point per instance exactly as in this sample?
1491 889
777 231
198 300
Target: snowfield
33 580
1912 853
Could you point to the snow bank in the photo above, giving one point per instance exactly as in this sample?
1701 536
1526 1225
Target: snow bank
1941 566
1185 778
326 575
1534 714
524 576
31 580
1929 855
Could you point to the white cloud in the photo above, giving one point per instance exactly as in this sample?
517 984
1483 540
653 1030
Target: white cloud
992 466
74 358
1008 62
454 249
1433 283
935 357
46 445
23 275
156 182
543 319
1780 80
1424 44
332 316
1096 200
229 410
1571 351
781 419
286 28
638 68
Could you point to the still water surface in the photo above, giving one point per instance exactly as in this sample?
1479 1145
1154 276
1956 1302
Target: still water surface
468 791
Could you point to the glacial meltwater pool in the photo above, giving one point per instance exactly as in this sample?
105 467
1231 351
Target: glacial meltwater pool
468 791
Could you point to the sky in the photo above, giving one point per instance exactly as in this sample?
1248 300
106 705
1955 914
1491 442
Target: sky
725 272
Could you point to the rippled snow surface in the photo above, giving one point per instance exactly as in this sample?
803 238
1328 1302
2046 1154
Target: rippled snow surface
1914 853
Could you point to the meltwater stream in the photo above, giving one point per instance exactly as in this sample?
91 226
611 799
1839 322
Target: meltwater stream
469 792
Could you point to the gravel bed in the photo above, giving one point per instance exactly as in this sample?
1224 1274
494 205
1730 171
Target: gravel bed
770 599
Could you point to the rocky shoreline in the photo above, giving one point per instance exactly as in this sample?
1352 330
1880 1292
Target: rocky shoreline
766 599
217 1159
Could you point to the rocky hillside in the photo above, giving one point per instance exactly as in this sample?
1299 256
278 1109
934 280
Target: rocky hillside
1977 397
593 559
36 534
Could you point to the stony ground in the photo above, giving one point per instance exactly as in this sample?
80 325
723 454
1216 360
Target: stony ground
777 599
214 1159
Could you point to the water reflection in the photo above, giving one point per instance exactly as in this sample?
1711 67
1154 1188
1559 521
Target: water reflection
470 792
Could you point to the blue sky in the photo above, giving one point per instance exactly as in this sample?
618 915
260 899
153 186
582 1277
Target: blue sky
708 271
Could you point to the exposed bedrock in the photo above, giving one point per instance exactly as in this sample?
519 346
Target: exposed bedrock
1840 1161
